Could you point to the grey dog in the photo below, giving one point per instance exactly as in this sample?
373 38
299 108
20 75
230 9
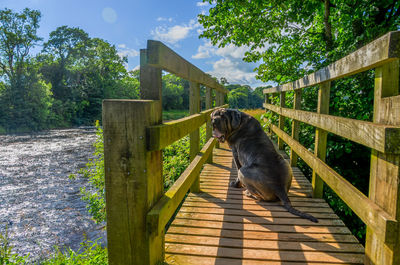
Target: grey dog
261 169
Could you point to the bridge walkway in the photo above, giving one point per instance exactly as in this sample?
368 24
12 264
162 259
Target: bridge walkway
223 226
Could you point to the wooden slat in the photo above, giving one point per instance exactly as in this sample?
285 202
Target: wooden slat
384 138
369 212
263 244
159 55
205 260
266 255
160 136
378 52
160 214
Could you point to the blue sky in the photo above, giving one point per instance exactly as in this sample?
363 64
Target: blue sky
129 24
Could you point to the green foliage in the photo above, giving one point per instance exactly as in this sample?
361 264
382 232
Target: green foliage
243 97
94 196
174 114
6 255
89 253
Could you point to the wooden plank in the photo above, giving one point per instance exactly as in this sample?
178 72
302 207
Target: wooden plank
295 220
275 236
263 227
209 101
376 53
151 88
263 244
381 137
161 213
295 126
384 189
273 208
204 260
159 55
321 137
281 122
160 136
369 212
266 255
129 195
261 213
194 137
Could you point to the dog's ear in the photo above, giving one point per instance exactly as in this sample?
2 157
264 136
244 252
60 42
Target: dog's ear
236 117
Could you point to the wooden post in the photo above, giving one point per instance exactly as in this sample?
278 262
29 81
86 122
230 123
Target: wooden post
321 137
133 180
194 107
281 124
208 125
295 126
384 187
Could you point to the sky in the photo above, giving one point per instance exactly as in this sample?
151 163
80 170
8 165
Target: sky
129 24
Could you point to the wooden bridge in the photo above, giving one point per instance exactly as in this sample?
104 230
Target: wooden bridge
216 224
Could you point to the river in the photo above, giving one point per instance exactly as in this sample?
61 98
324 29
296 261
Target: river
39 204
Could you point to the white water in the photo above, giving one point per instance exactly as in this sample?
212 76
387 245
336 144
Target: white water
39 204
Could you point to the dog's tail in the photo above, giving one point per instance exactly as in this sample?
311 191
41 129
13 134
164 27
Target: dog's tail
288 206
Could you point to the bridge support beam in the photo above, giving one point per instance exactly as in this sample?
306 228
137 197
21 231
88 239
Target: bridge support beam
321 137
194 107
384 187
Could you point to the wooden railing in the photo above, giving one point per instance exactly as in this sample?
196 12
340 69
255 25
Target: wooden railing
137 208
380 211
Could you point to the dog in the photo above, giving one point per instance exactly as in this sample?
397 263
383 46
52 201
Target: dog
262 171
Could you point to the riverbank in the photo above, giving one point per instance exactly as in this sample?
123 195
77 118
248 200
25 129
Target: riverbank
40 205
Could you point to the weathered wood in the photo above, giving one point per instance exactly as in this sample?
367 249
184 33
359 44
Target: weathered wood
377 53
160 214
295 126
132 181
381 137
281 236
209 101
161 56
281 125
262 244
151 88
321 137
384 189
160 136
265 255
371 214
194 137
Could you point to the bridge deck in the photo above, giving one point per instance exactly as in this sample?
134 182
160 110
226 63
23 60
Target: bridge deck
223 226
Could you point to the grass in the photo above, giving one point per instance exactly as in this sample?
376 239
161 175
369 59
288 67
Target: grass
174 114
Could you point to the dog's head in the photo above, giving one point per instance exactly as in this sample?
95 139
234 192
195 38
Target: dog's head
224 122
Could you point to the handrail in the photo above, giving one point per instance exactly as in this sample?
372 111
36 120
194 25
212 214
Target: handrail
160 136
381 137
137 208
380 211
367 210
160 56
377 53
161 213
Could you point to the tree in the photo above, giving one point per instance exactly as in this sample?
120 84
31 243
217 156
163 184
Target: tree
294 37
24 97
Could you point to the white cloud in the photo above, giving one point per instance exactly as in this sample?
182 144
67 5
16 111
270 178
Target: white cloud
170 19
174 34
202 4
123 51
228 63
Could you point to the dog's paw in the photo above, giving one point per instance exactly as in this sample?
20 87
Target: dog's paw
235 184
